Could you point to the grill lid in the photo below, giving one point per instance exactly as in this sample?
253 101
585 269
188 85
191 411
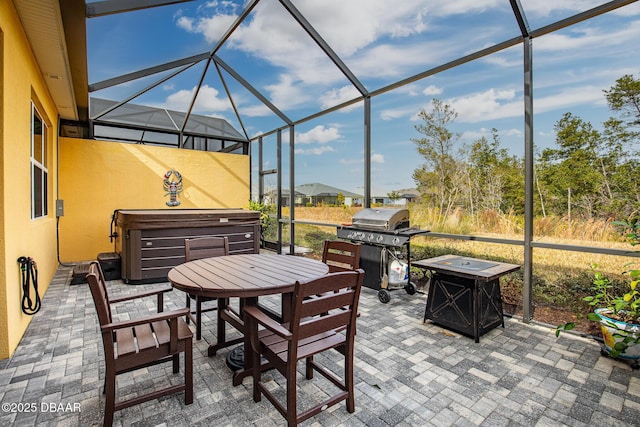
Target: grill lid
381 219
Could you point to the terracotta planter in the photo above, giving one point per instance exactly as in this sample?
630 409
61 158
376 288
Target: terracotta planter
615 331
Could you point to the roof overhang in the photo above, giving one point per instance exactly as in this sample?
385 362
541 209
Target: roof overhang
57 34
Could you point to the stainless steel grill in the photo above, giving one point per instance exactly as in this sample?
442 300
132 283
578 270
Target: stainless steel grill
385 234
381 219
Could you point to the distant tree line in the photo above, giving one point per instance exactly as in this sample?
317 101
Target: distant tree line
588 174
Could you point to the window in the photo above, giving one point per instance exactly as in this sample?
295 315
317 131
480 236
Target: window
39 171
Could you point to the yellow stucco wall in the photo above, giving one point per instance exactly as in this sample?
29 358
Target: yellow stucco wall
22 83
95 178
98 177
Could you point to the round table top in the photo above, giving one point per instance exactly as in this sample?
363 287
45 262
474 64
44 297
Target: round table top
247 275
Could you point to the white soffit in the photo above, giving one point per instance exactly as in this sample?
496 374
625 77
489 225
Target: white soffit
42 22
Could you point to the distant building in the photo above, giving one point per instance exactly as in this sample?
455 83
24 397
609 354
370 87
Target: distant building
317 194
285 199
321 194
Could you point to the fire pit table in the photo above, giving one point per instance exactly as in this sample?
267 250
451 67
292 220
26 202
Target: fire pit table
464 294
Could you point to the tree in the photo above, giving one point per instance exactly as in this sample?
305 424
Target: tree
495 176
439 177
571 172
624 98
394 195
621 138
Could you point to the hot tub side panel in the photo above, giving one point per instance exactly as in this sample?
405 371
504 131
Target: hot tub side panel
152 242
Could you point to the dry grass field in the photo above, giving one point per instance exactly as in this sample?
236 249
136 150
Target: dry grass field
560 278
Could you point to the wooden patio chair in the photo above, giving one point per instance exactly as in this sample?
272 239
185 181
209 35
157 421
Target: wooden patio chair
341 256
198 248
139 343
318 324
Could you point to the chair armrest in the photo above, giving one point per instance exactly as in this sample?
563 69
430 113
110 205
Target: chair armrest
156 317
266 321
140 295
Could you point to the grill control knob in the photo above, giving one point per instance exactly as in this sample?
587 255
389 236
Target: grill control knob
370 237
396 241
380 238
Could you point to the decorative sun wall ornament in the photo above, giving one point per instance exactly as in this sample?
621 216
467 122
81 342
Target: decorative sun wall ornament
173 186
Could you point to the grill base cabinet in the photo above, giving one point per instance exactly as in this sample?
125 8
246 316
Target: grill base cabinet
370 257
151 242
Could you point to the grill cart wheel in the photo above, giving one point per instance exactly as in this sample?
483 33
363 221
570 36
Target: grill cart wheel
384 296
410 288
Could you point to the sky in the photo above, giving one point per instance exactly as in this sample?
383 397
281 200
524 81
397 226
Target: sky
381 42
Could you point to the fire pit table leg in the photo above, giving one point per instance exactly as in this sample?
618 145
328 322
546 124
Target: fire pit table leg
476 312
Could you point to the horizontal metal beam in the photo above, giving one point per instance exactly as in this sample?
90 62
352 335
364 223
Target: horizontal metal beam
166 131
540 245
468 58
147 72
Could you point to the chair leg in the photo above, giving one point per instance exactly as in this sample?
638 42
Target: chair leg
348 379
110 403
309 370
188 372
176 363
292 414
188 305
255 363
198 318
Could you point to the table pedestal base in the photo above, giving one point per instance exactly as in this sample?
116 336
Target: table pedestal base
235 358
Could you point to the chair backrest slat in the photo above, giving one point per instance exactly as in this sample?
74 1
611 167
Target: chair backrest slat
205 247
329 322
326 302
341 256
334 305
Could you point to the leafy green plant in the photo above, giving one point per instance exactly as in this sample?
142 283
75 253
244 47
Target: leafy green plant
618 303
265 221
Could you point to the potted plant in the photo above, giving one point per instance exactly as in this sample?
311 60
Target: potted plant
617 309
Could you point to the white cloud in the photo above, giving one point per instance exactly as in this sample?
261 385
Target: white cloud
315 150
285 94
338 96
473 135
258 110
394 113
186 24
319 134
547 8
208 100
351 161
585 39
432 90
499 104
377 158
273 35
568 98
511 132
486 105
212 27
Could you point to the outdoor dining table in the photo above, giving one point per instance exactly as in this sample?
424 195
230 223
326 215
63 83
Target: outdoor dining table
246 276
